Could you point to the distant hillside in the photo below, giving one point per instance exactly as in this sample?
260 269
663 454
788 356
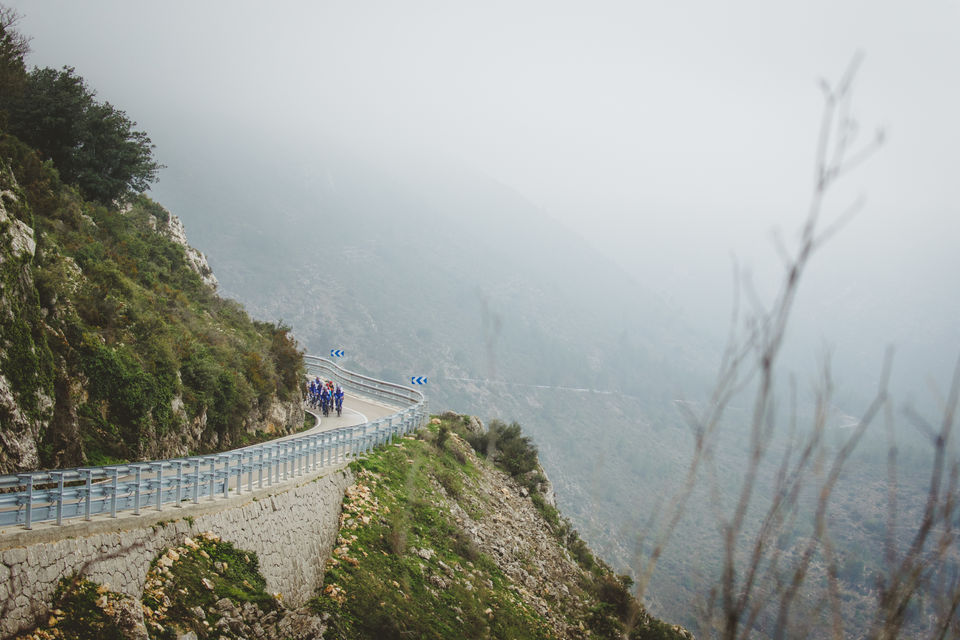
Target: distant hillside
425 268
114 344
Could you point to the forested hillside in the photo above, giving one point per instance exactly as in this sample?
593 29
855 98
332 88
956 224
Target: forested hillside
114 344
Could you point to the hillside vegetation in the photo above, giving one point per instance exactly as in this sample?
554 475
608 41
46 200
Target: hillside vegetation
438 540
114 344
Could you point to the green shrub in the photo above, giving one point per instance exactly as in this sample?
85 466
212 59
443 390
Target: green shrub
442 435
82 619
516 453
451 481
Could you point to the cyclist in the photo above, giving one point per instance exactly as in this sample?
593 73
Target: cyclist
325 400
338 399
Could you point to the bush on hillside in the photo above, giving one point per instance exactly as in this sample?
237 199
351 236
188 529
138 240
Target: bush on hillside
92 144
110 318
515 452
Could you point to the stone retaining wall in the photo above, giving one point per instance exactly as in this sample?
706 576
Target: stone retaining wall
292 529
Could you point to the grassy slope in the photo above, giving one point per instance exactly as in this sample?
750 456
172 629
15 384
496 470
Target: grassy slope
435 542
112 323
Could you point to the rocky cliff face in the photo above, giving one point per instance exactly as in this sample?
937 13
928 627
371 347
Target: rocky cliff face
24 407
173 229
113 342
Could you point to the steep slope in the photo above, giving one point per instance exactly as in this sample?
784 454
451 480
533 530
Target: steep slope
418 268
115 345
436 542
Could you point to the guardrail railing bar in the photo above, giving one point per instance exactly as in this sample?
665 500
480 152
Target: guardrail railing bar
55 495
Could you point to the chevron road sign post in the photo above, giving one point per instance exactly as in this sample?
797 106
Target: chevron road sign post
336 353
418 380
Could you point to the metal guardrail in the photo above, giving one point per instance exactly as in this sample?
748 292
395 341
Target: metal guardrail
364 384
43 496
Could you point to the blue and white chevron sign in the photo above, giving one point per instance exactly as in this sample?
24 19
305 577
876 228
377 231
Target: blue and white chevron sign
418 380
336 353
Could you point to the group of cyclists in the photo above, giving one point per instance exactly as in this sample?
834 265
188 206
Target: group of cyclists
325 395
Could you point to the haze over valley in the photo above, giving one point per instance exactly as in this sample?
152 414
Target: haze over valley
551 211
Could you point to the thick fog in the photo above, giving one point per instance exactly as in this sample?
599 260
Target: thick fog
674 137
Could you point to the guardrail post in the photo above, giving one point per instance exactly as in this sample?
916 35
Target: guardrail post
136 495
260 469
158 466
179 494
27 479
114 489
213 477
239 473
269 451
196 480
226 474
88 491
59 496
274 475
249 472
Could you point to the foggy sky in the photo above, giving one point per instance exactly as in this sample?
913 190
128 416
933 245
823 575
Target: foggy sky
670 135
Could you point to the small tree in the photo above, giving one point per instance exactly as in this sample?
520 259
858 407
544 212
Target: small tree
92 144
14 47
515 452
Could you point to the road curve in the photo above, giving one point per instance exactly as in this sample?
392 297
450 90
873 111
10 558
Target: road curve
59 495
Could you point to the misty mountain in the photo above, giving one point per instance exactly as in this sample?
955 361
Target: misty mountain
424 268
416 266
